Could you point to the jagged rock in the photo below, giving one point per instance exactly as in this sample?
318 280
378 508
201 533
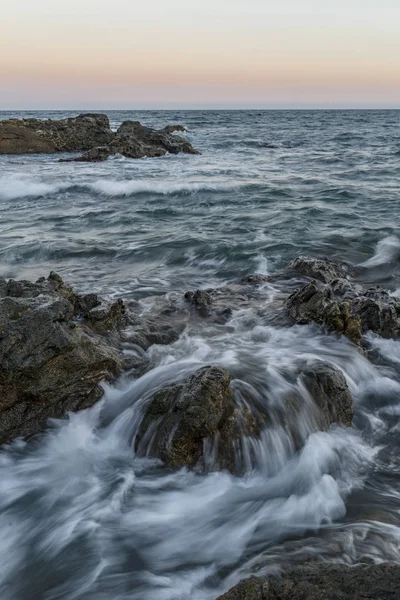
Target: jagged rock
323 582
134 140
48 364
180 417
56 347
346 308
74 134
324 269
328 387
90 133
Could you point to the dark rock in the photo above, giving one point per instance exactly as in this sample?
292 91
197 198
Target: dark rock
48 365
90 133
181 417
346 308
323 582
23 136
56 347
329 390
324 269
134 140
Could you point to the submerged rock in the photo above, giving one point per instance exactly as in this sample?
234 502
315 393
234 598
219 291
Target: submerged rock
324 581
328 387
346 308
182 417
90 133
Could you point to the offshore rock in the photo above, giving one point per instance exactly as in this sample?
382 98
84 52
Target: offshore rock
346 308
89 133
74 134
182 417
324 581
134 140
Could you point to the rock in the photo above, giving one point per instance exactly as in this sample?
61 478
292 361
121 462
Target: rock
48 364
89 133
346 308
329 390
181 417
324 270
323 582
173 128
134 140
56 348
74 134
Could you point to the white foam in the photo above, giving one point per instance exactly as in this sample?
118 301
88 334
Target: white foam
131 187
386 251
12 188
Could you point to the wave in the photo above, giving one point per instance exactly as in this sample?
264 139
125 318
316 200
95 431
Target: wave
131 187
13 188
386 251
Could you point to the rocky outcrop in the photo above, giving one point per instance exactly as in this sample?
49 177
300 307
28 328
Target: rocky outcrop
134 140
325 270
330 392
180 418
28 136
324 581
57 346
49 363
89 133
344 307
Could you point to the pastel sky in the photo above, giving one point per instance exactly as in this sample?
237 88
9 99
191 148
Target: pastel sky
204 53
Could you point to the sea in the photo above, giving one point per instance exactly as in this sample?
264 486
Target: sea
82 518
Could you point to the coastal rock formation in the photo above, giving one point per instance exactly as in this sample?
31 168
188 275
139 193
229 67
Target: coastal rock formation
325 270
89 133
182 416
323 581
56 347
344 307
49 364
74 134
134 140
330 392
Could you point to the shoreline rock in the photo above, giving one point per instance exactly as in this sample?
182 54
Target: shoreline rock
340 305
323 581
91 134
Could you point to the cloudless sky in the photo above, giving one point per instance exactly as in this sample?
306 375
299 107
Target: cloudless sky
204 53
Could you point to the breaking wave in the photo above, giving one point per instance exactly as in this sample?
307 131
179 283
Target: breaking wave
387 250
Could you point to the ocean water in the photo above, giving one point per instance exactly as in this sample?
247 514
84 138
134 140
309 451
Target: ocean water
80 516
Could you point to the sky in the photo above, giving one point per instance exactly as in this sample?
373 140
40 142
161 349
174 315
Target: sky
199 54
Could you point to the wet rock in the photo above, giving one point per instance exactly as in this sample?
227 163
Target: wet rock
89 133
134 140
329 390
346 308
48 364
325 270
182 417
324 581
74 134
57 346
